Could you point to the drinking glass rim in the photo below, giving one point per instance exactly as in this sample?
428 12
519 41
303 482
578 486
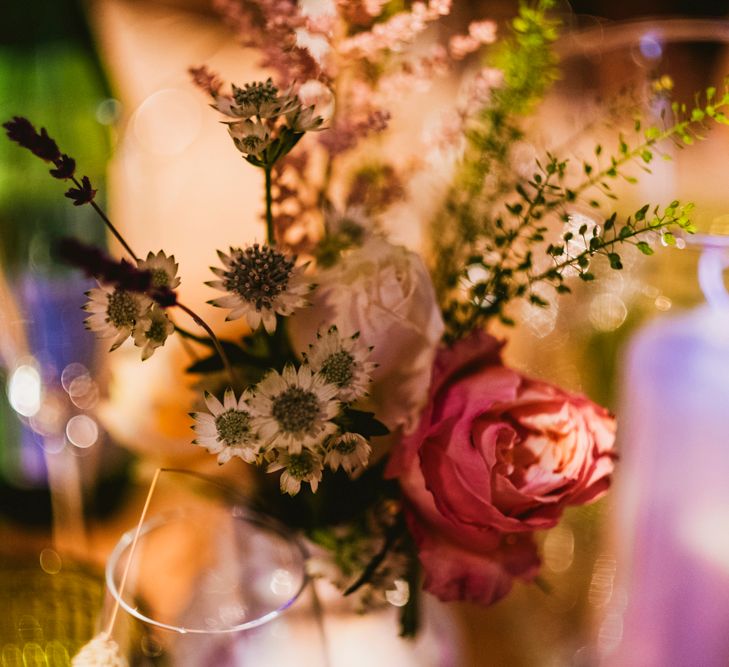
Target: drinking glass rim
239 512
619 34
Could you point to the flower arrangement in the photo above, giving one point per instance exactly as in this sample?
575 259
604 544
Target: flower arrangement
368 388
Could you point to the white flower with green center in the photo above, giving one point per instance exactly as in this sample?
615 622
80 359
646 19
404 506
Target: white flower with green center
292 410
349 450
250 137
304 466
152 330
259 99
260 282
115 312
162 268
227 430
343 361
101 651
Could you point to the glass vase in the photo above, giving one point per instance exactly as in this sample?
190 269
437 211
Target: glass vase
213 582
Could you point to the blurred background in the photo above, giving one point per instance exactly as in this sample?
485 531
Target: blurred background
79 430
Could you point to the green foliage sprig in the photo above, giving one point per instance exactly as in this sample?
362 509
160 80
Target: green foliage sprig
509 248
529 67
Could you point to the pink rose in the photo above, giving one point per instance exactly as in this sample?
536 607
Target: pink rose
495 456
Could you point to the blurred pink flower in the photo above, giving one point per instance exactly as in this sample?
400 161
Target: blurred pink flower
483 31
461 45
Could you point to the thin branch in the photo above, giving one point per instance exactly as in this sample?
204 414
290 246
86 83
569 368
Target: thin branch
109 224
218 347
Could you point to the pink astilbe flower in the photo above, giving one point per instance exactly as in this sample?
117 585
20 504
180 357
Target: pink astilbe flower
462 45
360 12
479 34
392 35
483 31
271 26
417 74
443 137
205 79
479 90
345 134
323 24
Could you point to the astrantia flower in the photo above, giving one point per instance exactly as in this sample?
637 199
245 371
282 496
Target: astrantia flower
258 99
343 363
292 410
115 312
384 292
260 282
250 137
152 330
297 468
349 450
227 430
101 651
162 268
304 119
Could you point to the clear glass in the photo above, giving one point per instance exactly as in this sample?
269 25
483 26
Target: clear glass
213 583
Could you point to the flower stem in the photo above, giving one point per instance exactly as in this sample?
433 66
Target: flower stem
109 224
186 345
270 232
218 347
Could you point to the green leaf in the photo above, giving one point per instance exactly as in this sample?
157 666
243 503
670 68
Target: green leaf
254 356
640 213
614 260
644 248
587 276
359 421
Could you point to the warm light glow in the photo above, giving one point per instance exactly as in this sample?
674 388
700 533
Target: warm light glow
607 312
82 431
24 390
168 121
282 583
399 596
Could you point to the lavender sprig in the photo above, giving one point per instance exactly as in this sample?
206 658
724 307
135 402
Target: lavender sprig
120 273
23 132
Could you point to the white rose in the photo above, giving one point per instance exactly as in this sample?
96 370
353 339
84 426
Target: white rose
384 292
